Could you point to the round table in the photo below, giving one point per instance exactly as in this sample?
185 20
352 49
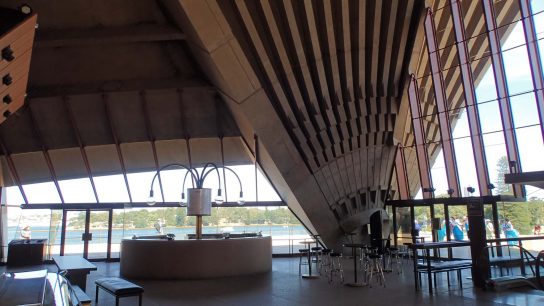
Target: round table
308 244
353 247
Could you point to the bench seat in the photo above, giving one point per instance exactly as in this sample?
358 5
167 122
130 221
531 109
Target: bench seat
82 297
119 288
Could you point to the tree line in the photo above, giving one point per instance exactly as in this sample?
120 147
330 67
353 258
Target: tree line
145 218
523 215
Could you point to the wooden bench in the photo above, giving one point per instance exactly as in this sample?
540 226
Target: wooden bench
119 288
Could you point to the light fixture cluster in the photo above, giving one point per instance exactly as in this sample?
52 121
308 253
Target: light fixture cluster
197 179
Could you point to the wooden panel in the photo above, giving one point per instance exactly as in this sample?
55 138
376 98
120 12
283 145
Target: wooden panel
19 39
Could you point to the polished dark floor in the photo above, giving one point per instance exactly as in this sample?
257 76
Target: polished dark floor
283 286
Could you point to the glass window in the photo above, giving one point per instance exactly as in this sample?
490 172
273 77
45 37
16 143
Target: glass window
14 196
495 154
438 173
439 213
139 186
265 189
490 117
111 188
516 63
412 171
117 231
531 148
172 181
41 193
404 225
77 191
524 110
537 8
35 224
486 89
465 165
459 123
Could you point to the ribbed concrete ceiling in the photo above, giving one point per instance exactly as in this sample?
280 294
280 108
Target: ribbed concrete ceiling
106 73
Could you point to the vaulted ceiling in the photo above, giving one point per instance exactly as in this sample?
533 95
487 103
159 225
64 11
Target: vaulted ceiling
320 83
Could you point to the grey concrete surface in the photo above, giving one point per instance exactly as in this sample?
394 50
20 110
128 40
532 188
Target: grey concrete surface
283 286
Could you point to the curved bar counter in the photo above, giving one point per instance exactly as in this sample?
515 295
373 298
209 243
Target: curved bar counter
195 259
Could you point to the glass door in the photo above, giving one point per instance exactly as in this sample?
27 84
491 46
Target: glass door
74 232
86 233
99 234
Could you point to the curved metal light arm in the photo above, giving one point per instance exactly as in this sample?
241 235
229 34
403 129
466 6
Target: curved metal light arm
237 177
185 178
193 175
205 174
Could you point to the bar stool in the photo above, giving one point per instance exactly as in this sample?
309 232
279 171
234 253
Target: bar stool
376 269
325 263
317 252
336 267
394 260
301 262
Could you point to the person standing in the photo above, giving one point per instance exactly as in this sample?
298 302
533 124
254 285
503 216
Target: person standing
510 232
417 228
489 229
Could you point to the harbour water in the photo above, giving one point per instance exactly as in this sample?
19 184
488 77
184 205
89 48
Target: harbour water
283 236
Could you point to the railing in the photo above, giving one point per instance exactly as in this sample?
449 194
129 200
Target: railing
540 266
521 265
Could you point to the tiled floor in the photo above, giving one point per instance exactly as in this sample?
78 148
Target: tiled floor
283 286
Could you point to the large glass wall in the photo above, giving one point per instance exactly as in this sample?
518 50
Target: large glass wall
275 221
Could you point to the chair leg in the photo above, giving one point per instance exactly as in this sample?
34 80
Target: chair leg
140 299
116 301
96 296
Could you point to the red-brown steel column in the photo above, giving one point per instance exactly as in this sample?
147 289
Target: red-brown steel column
421 150
536 65
442 105
402 178
503 94
471 108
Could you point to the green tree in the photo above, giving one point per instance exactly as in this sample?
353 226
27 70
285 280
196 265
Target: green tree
502 169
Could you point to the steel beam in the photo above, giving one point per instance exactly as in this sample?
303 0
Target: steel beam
402 178
151 137
77 134
442 105
534 60
117 146
502 93
38 135
470 105
13 169
421 150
